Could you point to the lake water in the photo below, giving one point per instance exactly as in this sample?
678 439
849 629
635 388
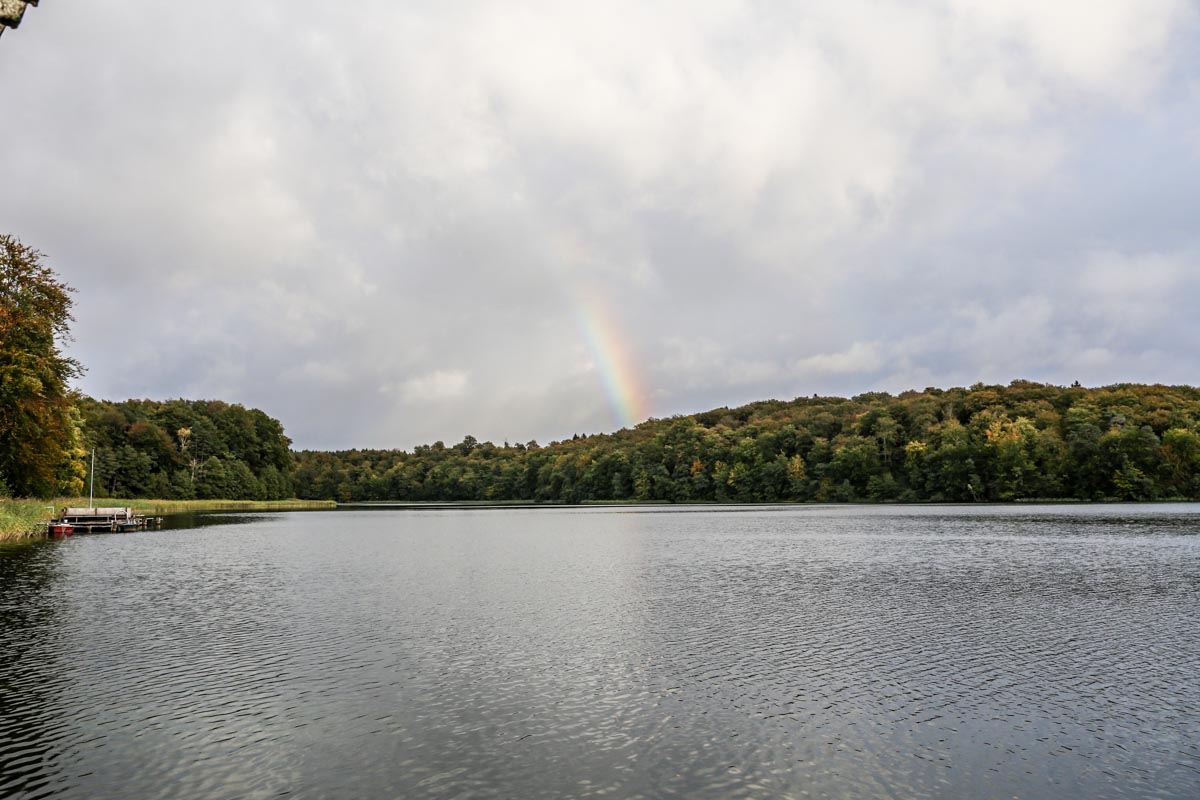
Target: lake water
843 652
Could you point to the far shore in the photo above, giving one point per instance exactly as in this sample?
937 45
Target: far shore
26 519
468 505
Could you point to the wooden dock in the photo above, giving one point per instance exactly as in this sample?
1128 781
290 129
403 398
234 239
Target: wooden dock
102 520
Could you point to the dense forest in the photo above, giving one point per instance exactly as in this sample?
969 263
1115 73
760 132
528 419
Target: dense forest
184 449
983 443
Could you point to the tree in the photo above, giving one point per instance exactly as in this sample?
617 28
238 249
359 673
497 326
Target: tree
797 476
212 481
240 483
39 433
1181 451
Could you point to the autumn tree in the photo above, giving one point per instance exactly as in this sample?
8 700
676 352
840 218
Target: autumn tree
987 443
39 428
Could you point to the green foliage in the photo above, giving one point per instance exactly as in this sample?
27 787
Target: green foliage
986 443
187 449
38 427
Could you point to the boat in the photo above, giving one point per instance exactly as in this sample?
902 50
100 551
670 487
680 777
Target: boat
60 529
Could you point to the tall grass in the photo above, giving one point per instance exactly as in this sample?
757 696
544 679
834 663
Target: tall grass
154 506
21 519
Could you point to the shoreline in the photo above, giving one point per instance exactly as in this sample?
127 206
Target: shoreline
701 504
159 507
21 520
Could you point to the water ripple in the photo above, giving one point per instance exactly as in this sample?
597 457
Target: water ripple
803 652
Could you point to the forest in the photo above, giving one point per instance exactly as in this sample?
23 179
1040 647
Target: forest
186 449
1023 441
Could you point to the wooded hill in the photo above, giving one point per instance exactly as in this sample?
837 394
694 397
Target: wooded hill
185 449
983 443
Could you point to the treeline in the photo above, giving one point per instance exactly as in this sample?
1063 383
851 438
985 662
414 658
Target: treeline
983 443
185 449
177 449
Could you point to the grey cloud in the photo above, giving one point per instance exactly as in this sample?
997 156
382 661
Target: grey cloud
384 225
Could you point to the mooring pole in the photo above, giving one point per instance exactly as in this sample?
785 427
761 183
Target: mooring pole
92 486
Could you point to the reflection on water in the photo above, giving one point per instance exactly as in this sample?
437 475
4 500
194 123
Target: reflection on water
1049 652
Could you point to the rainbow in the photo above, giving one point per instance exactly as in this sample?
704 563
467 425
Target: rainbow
620 380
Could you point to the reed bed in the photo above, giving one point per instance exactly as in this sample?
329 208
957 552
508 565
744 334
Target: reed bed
22 519
159 507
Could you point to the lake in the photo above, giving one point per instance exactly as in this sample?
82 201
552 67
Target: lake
692 652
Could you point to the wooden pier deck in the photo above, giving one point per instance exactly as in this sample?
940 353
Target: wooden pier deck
103 520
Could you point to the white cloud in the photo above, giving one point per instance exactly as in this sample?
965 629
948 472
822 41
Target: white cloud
861 357
435 386
1110 48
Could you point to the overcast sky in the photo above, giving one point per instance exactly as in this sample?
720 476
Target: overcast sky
390 223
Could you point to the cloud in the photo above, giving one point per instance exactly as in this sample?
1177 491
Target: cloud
1105 48
861 357
1111 277
775 199
436 386
318 373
